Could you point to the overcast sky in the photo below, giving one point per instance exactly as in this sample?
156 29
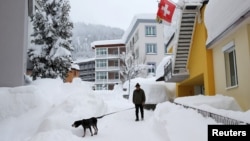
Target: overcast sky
114 13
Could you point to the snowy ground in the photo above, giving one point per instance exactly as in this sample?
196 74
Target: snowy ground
46 109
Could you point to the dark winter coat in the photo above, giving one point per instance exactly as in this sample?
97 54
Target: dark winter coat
139 96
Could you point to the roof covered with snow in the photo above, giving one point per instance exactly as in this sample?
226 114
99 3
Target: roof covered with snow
161 67
75 66
106 42
221 14
81 60
139 18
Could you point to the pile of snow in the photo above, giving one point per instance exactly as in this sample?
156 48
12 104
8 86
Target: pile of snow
156 92
181 123
16 102
217 104
229 103
46 109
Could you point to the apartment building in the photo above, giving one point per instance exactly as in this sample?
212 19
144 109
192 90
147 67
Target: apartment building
86 69
209 59
107 63
145 39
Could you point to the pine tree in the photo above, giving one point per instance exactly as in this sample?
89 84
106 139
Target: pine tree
51 39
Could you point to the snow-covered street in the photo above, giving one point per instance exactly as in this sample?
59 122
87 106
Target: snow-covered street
46 109
121 126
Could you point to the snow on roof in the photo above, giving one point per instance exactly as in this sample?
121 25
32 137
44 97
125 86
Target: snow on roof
220 14
106 42
182 2
135 20
75 66
160 68
84 60
151 17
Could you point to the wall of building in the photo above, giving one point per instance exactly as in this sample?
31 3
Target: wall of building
87 69
241 38
13 41
113 65
159 40
200 65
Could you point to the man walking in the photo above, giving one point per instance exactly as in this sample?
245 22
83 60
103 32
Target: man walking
139 99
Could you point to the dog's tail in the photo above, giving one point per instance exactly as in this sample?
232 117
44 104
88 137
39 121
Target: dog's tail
100 116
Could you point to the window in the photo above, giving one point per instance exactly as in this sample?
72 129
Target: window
101 75
136 54
101 63
101 51
151 68
116 75
115 52
116 63
151 49
230 65
101 87
150 31
136 36
131 45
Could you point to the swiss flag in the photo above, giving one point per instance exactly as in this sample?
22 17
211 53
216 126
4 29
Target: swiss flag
165 11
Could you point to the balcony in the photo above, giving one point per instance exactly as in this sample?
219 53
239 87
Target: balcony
169 76
108 68
107 81
107 56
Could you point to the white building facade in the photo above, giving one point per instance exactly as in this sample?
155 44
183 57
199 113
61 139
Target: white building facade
145 38
107 63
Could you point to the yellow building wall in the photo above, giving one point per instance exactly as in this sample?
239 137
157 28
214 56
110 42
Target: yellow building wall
183 90
170 50
241 93
200 64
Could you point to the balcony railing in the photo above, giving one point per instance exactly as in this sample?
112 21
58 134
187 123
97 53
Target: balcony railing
107 81
170 76
90 71
109 68
105 56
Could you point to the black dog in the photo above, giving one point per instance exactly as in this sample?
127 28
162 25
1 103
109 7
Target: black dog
87 123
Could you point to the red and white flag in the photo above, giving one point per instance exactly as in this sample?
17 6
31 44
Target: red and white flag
165 11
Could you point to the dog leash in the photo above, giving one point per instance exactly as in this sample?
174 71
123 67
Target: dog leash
115 112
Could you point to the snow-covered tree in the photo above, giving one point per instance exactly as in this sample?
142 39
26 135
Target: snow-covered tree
131 67
51 48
